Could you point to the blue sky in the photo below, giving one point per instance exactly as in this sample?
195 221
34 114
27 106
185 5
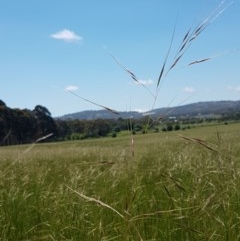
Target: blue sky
49 47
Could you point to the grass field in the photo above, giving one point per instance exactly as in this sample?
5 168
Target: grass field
173 188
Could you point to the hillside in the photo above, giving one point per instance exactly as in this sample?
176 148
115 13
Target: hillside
211 108
207 109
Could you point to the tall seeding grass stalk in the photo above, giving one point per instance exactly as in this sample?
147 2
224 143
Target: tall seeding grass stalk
168 65
22 154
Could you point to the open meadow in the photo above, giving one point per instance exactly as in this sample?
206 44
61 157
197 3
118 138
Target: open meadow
180 185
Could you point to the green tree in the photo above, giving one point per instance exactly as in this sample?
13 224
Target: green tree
5 124
23 124
45 123
176 127
169 127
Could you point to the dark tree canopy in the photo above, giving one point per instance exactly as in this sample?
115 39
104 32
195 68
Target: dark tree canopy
2 103
19 126
41 111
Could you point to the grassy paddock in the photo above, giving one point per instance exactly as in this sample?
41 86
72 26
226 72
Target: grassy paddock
171 189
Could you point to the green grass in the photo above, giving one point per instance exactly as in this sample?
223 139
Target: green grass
172 189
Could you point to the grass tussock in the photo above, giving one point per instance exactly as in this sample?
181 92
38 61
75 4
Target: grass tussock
173 189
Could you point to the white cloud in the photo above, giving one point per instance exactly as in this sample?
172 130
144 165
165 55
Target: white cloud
146 82
141 110
189 89
233 88
66 35
71 88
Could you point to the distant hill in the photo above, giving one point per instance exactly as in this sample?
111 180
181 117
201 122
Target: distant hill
200 109
210 108
100 114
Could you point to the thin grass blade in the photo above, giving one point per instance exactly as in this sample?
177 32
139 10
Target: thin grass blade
94 103
91 199
124 68
201 142
175 62
133 76
199 61
166 58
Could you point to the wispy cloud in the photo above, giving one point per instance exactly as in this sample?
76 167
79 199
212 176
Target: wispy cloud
188 89
233 88
141 110
71 88
66 35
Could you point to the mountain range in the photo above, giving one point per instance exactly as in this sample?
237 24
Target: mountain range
199 109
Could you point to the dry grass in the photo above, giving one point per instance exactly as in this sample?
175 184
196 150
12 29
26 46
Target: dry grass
175 189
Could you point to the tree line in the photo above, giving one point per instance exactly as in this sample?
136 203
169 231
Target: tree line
22 126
